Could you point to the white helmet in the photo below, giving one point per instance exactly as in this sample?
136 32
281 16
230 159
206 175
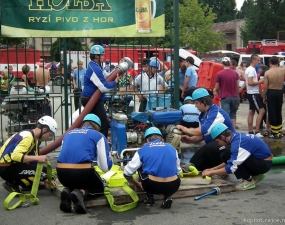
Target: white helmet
50 122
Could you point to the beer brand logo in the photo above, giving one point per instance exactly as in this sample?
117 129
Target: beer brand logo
142 9
70 5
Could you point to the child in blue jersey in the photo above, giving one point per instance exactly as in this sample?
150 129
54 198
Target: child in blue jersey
79 148
249 158
190 114
209 155
158 166
94 80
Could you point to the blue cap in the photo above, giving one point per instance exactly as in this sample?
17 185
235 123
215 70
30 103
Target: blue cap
187 98
199 93
151 131
92 118
217 129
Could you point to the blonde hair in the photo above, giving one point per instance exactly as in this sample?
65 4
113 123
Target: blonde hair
79 62
5 74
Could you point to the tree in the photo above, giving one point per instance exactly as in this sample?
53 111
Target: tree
72 44
225 10
244 9
263 19
196 27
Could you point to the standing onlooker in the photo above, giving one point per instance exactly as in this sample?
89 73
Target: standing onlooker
254 98
42 76
242 66
182 72
4 91
93 80
69 70
26 79
78 80
53 67
191 78
190 114
11 75
227 85
149 83
107 66
216 98
273 95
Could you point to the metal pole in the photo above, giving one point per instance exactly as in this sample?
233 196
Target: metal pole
176 53
65 84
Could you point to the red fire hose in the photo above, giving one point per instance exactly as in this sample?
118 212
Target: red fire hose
87 109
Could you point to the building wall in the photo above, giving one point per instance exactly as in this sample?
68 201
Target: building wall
231 29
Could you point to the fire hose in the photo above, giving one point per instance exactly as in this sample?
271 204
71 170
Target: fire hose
126 64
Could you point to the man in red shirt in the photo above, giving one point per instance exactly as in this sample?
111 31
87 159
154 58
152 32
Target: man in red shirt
227 85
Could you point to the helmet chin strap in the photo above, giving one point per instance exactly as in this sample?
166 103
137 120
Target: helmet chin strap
42 133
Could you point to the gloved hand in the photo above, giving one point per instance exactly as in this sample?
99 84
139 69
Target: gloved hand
181 174
31 89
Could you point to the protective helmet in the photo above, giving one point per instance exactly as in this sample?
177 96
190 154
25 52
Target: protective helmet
97 50
217 129
93 118
154 63
226 59
152 130
187 98
50 122
108 61
199 93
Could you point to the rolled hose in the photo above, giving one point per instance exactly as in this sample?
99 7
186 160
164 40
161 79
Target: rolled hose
89 106
278 160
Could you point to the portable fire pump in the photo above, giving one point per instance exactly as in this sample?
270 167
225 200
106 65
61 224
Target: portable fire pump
127 133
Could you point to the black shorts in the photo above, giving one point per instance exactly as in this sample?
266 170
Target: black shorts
283 88
255 102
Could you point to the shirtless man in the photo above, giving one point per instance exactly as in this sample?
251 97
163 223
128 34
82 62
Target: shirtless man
273 95
42 76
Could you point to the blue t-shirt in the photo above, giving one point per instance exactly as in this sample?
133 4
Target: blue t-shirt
181 78
157 158
85 145
243 146
94 79
79 77
214 115
190 113
191 72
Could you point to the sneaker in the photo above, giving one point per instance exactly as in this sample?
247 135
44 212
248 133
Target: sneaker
65 203
258 178
259 135
77 200
149 200
276 136
245 185
186 167
166 203
11 187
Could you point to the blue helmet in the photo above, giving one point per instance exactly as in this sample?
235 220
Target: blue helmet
199 93
92 118
154 63
217 129
152 130
187 98
97 50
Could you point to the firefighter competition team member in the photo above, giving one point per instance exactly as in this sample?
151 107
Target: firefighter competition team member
249 158
93 80
158 166
20 154
79 148
210 154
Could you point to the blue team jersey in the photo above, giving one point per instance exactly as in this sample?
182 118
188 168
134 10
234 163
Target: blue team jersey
156 158
85 145
94 79
244 145
214 115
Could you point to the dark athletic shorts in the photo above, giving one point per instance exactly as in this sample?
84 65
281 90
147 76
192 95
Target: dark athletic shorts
255 102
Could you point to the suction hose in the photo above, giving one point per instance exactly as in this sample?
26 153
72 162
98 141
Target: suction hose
126 64
278 160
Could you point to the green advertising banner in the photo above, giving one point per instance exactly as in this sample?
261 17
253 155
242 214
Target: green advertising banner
83 18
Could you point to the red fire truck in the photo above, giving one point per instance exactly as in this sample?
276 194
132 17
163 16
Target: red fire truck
266 46
17 57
